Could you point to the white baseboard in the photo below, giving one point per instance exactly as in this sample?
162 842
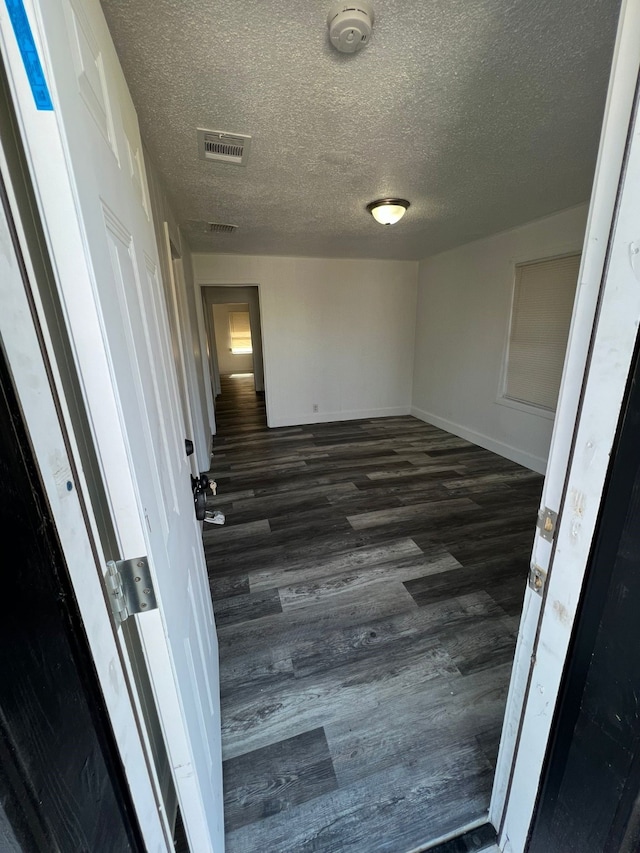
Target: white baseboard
330 417
528 460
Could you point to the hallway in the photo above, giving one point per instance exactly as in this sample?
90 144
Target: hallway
239 408
367 588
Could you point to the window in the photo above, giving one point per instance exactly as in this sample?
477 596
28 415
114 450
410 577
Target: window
542 305
240 332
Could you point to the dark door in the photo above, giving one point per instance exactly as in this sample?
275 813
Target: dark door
61 787
590 799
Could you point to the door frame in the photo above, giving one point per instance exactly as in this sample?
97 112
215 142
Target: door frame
248 291
211 349
186 369
601 345
47 671
598 678
522 751
30 354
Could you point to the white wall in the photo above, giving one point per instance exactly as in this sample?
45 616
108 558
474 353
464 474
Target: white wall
336 333
229 362
464 306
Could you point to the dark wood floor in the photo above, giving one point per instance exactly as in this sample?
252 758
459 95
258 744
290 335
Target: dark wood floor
367 588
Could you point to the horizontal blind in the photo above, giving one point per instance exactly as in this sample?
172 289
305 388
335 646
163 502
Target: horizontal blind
240 331
542 307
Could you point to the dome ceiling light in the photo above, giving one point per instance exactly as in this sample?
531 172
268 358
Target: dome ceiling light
388 211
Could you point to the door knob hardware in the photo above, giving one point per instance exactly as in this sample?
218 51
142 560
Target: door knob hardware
200 485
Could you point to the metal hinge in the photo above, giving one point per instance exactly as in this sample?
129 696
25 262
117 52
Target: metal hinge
546 524
130 587
537 579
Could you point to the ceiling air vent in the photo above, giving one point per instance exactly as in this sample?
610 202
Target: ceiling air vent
221 228
224 147
201 226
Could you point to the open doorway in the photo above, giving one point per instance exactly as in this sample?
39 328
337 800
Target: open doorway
234 344
293 462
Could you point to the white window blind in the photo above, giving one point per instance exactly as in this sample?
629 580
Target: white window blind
542 306
240 332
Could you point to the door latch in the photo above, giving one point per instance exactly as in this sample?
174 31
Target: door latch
547 522
537 579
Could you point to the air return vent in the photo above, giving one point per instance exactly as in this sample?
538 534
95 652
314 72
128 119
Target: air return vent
224 147
201 226
221 228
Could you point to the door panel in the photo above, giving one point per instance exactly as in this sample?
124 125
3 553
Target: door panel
130 355
117 320
39 352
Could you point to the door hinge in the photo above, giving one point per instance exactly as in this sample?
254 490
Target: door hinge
546 524
130 587
537 579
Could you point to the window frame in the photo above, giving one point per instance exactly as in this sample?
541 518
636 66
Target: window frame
501 398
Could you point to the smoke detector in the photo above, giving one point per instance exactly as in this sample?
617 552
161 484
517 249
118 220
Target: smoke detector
350 25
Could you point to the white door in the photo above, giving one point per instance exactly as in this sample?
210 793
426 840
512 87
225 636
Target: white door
86 159
183 356
601 342
27 345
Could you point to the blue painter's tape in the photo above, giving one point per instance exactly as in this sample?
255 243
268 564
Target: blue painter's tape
29 52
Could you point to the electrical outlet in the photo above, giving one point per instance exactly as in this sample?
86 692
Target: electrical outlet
315 407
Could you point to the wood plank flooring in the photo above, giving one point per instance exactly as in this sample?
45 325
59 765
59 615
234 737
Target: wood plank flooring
367 586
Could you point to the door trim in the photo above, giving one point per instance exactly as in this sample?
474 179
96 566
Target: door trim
601 345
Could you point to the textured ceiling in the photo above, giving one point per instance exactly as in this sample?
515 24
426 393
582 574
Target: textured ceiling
483 113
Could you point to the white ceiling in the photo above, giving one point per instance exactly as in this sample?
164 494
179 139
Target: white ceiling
483 113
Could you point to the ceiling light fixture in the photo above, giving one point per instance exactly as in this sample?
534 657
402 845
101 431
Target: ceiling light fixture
388 211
